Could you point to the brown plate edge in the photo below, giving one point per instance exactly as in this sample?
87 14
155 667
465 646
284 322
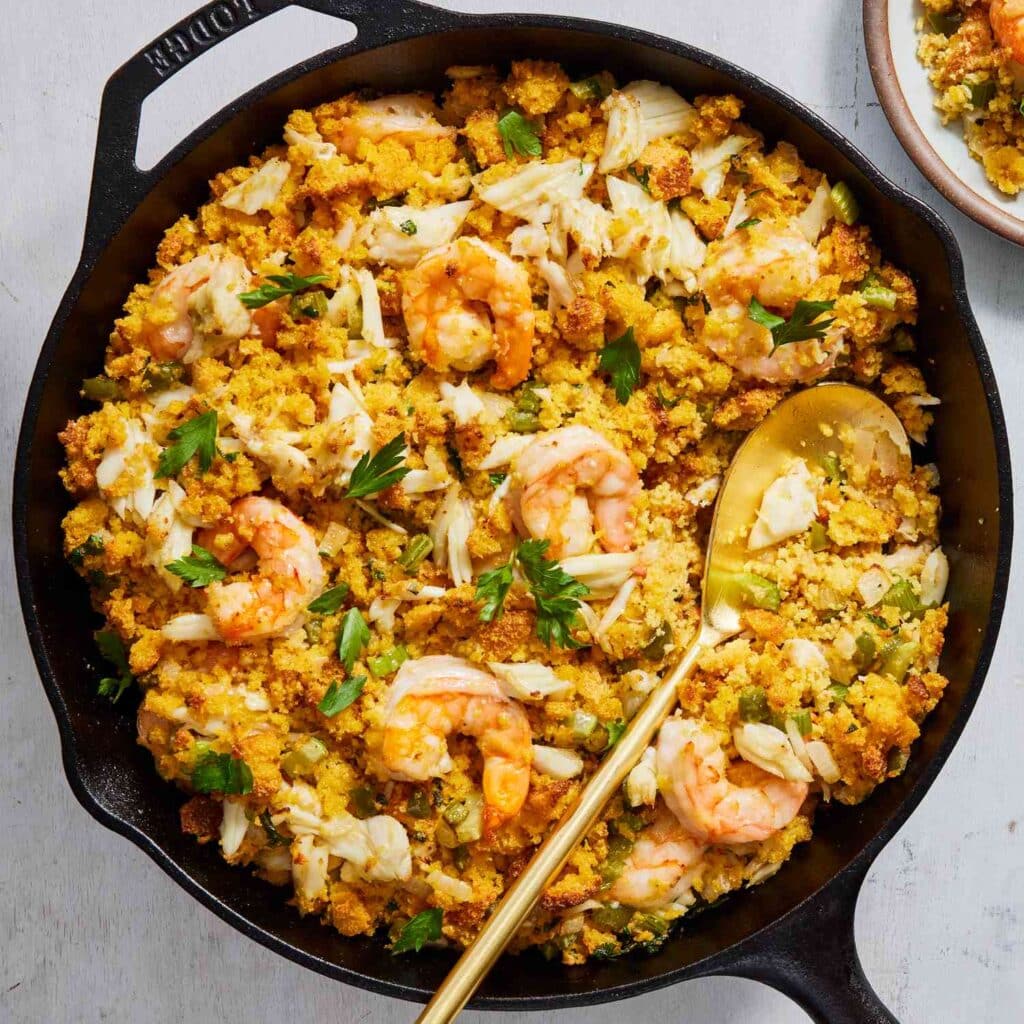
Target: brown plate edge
913 139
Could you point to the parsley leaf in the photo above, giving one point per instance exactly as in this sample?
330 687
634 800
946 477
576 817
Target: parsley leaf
354 636
643 176
274 838
198 436
408 227
340 695
492 588
615 729
199 569
665 402
112 648
621 360
423 928
748 223
456 461
519 135
799 327
382 470
92 545
497 479
329 601
284 284
221 773
555 593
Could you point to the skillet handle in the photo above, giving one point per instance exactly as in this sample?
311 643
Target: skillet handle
811 956
118 184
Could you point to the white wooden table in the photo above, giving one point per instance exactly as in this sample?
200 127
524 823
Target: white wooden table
90 930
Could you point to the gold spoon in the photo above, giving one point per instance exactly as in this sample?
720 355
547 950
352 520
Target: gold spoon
825 421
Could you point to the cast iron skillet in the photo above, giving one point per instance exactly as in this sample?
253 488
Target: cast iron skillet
796 932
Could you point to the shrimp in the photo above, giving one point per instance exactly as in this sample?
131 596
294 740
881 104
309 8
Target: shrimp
663 864
566 481
195 310
775 264
290 573
1007 19
443 300
691 768
433 697
407 118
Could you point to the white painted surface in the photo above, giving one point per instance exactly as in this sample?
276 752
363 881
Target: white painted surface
90 930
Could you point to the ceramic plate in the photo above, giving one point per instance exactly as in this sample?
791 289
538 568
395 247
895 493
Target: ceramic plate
939 150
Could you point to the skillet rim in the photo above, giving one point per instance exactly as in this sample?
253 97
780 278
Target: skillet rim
98 237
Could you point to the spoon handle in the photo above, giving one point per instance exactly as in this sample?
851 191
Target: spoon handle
550 857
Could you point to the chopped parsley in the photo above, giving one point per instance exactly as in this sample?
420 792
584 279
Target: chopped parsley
799 327
665 402
283 284
748 223
456 461
112 648
196 437
340 695
92 545
354 636
329 601
407 227
221 773
274 838
620 359
555 593
423 928
497 479
374 474
518 135
199 569
643 176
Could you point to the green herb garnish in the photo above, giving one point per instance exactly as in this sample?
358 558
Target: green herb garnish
374 474
199 569
92 545
329 601
456 461
555 593
354 636
112 648
423 928
283 284
274 837
621 360
497 479
407 227
340 695
799 327
196 437
748 223
519 135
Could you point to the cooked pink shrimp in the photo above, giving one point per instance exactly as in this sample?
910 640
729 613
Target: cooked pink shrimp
289 576
408 118
567 480
662 865
195 310
465 303
691 768
433 697
1007 18
775 264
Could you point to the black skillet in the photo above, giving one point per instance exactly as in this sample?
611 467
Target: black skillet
795 932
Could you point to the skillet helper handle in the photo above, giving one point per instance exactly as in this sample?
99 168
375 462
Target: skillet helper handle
118 184
550 857
811 956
